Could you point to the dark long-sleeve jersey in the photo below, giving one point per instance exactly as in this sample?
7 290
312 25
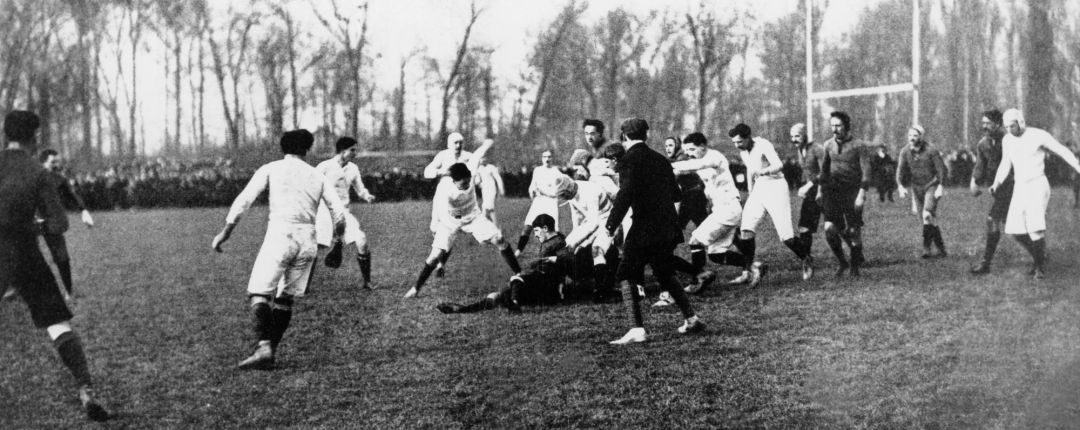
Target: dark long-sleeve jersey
846 164
987 158
26 189
810 157
920 167
555 246
63 188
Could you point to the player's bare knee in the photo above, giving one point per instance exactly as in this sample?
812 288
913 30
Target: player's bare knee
831 230
257 299
435 255
927 218
746 235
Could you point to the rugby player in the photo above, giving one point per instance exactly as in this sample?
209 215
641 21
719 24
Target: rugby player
845 177
987 159
1024 151
459 211
810 156
921 171
343 174
439 168
541 176
50 160
281 270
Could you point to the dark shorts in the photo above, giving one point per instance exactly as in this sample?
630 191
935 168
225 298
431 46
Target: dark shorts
632 266
57 246
809 213
1000 207
839 209
23 267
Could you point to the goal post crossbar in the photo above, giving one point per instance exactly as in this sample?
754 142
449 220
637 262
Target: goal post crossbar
884 89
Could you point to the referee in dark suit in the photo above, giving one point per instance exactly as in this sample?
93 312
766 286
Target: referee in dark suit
647 186
25 188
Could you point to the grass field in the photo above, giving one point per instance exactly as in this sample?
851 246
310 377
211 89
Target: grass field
911 344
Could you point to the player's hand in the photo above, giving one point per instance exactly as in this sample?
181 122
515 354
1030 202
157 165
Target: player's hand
219 239
902 192
370 198
87 219
804 189
992 189
939 191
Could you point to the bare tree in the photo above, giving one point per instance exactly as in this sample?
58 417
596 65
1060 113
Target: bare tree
354 54
551 42
713 50
451 85
229 62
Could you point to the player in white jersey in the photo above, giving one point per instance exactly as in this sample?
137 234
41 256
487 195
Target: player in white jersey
460 211
589 206
491 188
439 168
542 175
281 270
1023 151
715 236
768 194
340 171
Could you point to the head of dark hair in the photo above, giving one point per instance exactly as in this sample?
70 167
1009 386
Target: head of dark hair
459 171
20 125
696 138
613 151
544 221
595 123
993 115
45 154
843 117
343 144
297 142
741 130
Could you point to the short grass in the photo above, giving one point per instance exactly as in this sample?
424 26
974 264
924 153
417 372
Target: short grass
911 344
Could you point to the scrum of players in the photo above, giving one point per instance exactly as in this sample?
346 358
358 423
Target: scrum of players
627 210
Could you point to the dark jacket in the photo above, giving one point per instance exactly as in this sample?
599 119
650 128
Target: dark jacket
26 189
647 185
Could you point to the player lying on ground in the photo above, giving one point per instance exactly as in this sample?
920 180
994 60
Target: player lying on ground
281 270
539 283
459 211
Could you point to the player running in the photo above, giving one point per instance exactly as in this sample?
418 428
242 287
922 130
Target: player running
281 270
459 211
439 168
343 174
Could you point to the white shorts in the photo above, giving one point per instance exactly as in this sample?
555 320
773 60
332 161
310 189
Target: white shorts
488 202
284 261
772 197
438 205
324 229
717 231
1027 209
543 205
482 229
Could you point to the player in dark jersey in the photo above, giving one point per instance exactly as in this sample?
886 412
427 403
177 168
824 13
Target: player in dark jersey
922 171
28 190
987 158
50 160
845 177
810 157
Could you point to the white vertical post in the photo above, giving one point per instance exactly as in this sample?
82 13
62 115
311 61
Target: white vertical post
810 70
916 59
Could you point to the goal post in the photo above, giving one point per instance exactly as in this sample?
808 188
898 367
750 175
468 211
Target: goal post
913 86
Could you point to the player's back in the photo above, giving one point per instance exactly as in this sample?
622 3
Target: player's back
22 184
295 190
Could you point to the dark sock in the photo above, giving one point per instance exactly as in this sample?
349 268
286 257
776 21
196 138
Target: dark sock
523 240
511 260
630 300
992 239
728 259
262 320
927 236
939 242
445 257
64 266
364 260
684 266
857 258
1025 242
281 317
601 278
697 256
796 246
424 274
71 353
482 305
747 247
807 240
675 288
515 290
1038 253
837 247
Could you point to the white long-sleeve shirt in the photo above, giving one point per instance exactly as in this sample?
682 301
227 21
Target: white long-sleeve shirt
443 160
542 175
715 173
460 203
343 178
589 210
763 160
1025 155
296 189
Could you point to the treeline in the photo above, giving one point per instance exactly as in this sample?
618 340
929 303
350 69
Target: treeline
253 69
